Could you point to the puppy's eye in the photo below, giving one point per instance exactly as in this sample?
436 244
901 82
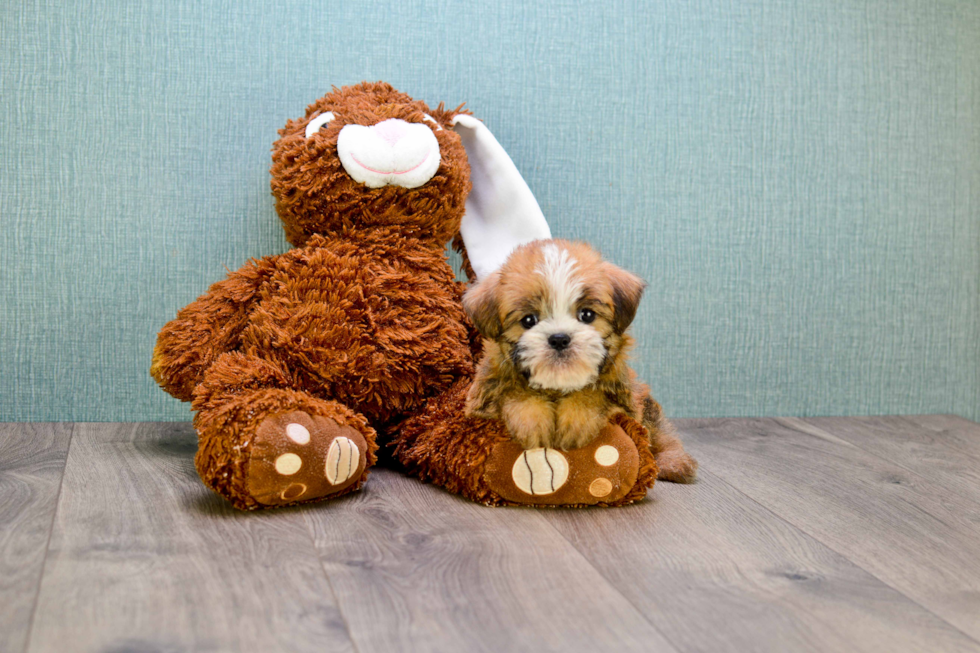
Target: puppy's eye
529 321
586 315
438 127
314 125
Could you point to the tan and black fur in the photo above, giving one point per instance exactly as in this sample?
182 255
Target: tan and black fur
554 367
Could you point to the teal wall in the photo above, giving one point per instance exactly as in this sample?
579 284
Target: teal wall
799 181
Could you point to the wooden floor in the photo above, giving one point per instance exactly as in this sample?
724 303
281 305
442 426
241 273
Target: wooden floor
831 534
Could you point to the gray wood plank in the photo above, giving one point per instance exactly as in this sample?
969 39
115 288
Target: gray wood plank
715 571
965 433
957 432
942 448
32 460
906 530
144 557
417 569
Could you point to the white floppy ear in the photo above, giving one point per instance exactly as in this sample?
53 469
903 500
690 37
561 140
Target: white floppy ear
501 212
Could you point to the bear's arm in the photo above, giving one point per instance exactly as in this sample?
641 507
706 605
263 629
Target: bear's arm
207 328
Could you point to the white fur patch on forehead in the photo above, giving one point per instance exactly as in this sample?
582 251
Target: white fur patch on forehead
560 273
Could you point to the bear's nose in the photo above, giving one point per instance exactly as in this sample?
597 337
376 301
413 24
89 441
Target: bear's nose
391 131
559 341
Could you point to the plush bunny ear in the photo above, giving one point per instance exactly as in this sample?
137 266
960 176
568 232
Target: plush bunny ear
501 212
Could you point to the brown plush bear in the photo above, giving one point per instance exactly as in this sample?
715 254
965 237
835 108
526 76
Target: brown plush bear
295 363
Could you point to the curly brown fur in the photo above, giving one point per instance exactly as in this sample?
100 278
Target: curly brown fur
361 322
315 195
554 367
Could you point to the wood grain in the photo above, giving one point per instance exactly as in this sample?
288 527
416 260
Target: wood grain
943 448
715 571
417 569
32 460
143 557
959 433
821 534
906 530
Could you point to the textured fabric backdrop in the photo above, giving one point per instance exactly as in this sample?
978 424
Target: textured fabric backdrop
799 181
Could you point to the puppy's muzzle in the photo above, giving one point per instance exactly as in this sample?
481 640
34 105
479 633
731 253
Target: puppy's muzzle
559 341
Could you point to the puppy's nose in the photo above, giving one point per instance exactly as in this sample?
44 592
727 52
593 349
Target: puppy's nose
559 341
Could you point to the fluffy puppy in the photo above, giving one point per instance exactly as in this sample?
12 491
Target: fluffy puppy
554 365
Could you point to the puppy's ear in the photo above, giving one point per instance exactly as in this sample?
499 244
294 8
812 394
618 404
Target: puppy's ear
481 304
627 288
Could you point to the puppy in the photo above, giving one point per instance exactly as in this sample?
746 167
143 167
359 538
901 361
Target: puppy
554 365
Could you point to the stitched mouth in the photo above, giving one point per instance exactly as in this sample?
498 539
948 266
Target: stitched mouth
392 172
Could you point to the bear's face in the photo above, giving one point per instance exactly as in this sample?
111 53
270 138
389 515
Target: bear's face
370 156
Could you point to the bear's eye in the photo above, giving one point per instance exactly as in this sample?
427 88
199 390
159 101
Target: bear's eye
433 121
318 122
529 321
586 315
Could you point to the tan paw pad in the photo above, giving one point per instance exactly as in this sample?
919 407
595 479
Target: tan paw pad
540 471
298 433
292 492
288 464
606 455
601 487
342 460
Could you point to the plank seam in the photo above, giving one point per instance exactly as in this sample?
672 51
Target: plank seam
47 542
609 582
326 575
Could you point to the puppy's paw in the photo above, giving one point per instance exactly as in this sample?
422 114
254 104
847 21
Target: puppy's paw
604 471
576 436
299 457
676 466
529 420
581 417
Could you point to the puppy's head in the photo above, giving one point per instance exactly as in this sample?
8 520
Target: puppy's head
557 310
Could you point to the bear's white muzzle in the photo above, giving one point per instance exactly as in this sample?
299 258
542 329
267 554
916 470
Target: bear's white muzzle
392 152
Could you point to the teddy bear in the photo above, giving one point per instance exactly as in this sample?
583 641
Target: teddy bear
300 365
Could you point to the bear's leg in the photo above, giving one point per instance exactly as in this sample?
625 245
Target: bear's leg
478 459
262 443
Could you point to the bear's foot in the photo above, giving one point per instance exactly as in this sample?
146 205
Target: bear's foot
477 458
602 472
300 457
